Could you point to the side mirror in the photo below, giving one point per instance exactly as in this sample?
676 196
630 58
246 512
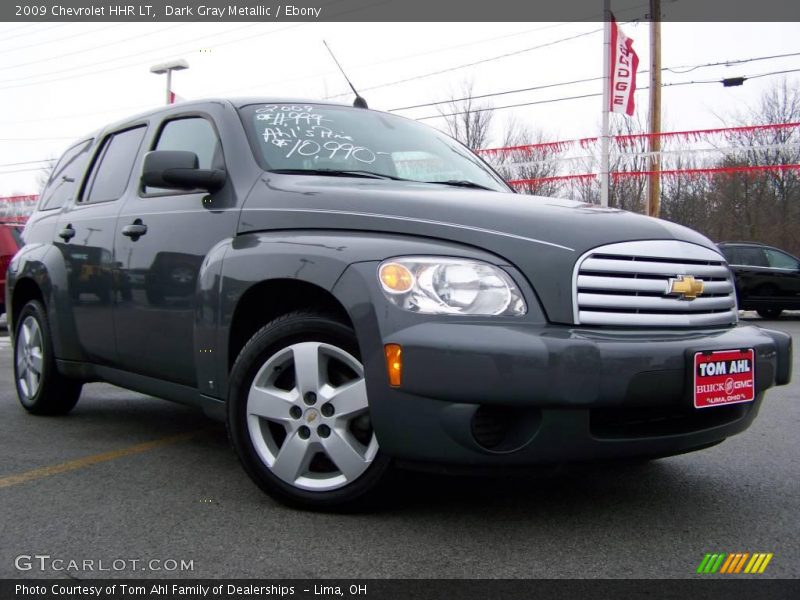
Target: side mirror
177 169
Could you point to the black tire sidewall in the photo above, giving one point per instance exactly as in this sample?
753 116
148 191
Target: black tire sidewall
36 310
285 331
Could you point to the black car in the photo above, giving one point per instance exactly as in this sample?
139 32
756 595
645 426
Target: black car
352 290
767 279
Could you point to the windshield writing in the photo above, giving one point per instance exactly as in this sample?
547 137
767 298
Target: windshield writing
307 137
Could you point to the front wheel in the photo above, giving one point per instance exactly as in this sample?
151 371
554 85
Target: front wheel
298 414
41 389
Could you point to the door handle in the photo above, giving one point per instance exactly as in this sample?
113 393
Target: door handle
135 230
67 233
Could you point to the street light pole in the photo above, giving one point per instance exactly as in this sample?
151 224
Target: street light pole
167 68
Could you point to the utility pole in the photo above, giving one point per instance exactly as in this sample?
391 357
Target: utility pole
168 68
604 142
654 179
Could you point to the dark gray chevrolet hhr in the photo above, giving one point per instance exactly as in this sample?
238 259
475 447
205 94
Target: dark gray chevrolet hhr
349 289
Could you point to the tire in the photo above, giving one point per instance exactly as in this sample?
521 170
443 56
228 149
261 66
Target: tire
41 389
307 441
769 313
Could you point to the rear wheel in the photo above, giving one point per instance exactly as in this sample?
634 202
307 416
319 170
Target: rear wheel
41 389
769 313
298 414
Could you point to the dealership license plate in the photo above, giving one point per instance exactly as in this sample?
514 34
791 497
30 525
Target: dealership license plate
724 377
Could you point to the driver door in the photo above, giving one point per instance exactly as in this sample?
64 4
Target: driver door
162 237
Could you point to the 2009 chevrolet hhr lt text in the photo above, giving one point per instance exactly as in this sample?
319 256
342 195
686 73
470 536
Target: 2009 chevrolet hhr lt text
348 289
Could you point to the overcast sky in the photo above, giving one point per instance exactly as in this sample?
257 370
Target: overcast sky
61 80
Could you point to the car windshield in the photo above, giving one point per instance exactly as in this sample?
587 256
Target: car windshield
339 140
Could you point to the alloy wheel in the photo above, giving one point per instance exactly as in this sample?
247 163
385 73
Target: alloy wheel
307 417
29 357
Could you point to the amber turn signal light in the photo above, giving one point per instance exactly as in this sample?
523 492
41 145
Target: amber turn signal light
396 278
394 363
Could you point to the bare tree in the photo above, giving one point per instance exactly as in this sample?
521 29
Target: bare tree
627 155
753 205
527 163
468 120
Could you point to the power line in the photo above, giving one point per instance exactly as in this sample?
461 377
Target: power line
22 170
29 162
11 37
491 95
111 60
550 101
161 49
126 109
426 53
61 39
91 48
575 81
438 50
453 114
38 139
619 11
773 73
594 95
472 64
20 27
728 63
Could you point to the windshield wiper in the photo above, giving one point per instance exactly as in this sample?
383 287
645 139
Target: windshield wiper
336 173
462 183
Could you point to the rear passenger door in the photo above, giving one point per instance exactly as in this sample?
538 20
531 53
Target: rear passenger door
158 283
85 237
60 189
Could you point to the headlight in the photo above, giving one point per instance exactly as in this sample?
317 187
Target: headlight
440 286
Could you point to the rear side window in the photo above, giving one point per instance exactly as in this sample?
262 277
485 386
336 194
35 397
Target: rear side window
112 170
746 255
66 175
193 134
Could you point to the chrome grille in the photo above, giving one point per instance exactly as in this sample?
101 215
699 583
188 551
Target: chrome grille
628 284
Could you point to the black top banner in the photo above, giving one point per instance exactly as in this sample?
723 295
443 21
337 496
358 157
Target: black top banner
395 10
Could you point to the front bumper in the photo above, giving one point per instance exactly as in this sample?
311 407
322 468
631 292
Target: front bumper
480 394
517 392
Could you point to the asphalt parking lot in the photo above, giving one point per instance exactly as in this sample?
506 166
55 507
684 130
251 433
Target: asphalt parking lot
129 477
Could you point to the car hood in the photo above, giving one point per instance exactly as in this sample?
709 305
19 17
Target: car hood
542 237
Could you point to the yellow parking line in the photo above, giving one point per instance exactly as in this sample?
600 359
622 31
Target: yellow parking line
87 461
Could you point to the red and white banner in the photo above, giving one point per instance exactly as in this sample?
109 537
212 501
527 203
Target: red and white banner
624 63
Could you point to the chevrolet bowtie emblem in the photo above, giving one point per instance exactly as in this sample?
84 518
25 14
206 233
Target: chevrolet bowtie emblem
686 287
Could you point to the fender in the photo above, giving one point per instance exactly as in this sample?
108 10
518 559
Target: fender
317 257
44 265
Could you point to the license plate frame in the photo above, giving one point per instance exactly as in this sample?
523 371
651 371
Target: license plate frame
723 377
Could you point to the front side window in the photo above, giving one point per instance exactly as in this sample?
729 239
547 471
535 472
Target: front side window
112 170
321 139
193 134
65 177
781 260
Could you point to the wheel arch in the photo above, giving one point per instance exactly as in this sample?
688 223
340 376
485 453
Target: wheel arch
25 290
269 299
38 272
